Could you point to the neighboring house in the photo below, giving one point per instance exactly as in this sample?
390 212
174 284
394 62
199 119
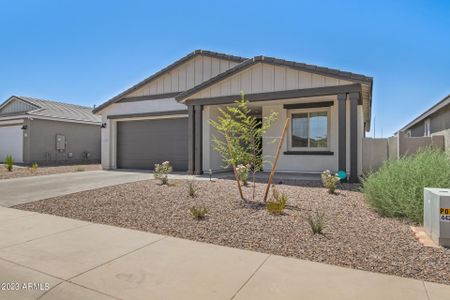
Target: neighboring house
167 116
434 121
48 132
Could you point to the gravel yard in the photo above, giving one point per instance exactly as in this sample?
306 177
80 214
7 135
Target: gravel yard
355 237
20 171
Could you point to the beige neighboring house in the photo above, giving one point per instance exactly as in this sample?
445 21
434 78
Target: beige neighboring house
167 115
434 121
48 132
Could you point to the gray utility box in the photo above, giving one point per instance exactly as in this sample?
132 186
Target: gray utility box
436 215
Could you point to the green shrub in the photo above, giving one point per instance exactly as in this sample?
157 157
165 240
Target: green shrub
329 181
9 161
161 171
199 212
34 167
317 222
396 189
192 189
243 172
277 202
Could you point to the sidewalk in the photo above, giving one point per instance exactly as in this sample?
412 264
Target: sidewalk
73 259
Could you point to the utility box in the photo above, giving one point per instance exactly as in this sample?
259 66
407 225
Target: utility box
60 142
436 215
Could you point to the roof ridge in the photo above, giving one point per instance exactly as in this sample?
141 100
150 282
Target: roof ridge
52 101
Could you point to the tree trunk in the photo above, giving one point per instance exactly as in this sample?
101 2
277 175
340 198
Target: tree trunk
236 176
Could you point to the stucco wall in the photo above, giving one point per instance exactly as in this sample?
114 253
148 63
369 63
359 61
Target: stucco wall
286 163
375 152
40 142
446 135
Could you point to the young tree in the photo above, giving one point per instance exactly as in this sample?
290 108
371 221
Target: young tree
242 138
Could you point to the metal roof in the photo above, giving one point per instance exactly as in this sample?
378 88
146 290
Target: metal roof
56 109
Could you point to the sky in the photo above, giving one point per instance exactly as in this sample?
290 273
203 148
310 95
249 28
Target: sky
86 52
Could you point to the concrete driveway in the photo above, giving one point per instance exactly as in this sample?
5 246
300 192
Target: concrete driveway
50 257
21 190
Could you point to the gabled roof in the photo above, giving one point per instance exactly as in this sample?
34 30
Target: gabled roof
276 61
167 69
438 106
56 109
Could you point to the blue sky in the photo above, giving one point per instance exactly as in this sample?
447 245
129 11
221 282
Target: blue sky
88 51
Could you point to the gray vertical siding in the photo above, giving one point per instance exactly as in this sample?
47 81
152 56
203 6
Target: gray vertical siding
40 142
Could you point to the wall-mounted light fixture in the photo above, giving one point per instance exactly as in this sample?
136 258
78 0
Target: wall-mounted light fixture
103 125
24 127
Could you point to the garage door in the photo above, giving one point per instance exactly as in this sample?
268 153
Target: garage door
142 144
11 142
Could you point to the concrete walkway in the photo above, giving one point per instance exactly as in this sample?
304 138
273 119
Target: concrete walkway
20 190
49 257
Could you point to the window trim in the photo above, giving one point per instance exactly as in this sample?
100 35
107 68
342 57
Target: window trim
308 111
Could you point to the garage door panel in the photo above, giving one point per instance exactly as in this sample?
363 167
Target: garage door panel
142 144
11 142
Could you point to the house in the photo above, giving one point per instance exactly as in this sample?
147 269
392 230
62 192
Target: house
48 132
167 115
434 121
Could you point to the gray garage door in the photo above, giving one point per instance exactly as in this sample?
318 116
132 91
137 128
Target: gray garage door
142 144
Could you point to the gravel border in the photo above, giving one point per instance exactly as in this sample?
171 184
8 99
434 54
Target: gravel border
355 235
20 171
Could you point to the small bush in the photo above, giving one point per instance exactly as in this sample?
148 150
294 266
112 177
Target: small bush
277 202
317 222
329 181
396 189
34 167
199 212
161 171
9 161
243 172
79 169
192 189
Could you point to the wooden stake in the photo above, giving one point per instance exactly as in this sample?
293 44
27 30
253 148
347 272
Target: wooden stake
236 176
280 145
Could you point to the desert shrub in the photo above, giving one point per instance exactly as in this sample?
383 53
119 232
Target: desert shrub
34 167
277 202
329 181
9 161
243 172
317 222
192 189
199 212
396 189
161 171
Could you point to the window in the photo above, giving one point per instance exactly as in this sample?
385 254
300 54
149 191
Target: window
426 127
309 130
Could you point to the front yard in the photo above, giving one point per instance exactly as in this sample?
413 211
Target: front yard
20 171
355 235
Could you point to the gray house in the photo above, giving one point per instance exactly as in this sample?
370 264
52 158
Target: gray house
48 132
167 115
434 121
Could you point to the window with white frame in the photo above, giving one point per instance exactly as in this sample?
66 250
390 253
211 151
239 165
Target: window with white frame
309 130
426 127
